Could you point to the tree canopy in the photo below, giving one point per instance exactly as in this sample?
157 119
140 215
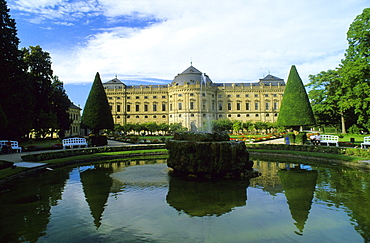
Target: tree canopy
295 107
345 91
15 92
97 113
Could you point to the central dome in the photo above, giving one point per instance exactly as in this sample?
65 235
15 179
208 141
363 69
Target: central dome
191 76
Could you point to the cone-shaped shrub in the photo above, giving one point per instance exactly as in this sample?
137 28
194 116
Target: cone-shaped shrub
295 107
97 114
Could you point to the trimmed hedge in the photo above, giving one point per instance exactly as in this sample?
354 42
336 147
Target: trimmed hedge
310 148
84 151
5 164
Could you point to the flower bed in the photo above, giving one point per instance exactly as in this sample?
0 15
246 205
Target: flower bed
256 138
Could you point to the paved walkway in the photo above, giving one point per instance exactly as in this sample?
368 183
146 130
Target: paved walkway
16 158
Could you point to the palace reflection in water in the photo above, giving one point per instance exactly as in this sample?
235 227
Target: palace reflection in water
30 207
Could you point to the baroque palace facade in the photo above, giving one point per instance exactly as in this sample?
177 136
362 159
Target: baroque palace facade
193 100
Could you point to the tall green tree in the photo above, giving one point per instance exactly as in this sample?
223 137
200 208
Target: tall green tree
3 119
295 108
355 69
325 95
40 74
97 113
14 87
60 106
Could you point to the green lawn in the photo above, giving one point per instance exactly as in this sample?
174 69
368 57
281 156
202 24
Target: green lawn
41 142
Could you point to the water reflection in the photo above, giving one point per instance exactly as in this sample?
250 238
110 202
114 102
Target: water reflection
113 202
25 206
299 186
206 198
97 183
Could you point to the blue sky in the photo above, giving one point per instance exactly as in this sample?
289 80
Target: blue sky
152 41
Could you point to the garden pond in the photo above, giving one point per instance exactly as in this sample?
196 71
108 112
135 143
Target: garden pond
137 201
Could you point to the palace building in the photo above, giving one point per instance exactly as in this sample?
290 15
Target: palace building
194 100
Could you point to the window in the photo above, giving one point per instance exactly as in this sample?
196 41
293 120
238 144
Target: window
128 116
237 96
229 115
179 115
246 95
137 97
247 115
118 108
164 116
128 97
163 107
266 95
256 95
128 108
213 106
145 97
267 106
118 98
180 106
145 116
191 115
219 96
256 106
228 96
275 105
238 115
136 116
154 107
191 94
191 105
180 95
137 108
154 97
247 106
163 97
145 107
220 106
204 115
220 115
203 94
275 95
203 105
229 106
170 107
267 114
154 116
238 106
257 115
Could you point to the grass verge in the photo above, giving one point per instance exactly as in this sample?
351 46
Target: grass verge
98 156
339 157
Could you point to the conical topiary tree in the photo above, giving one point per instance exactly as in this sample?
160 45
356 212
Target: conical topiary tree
97 114
295 107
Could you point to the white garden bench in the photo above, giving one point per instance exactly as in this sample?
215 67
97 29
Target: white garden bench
70 142
329 139
13 144
366 142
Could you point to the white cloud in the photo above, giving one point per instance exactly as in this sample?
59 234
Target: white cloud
232 41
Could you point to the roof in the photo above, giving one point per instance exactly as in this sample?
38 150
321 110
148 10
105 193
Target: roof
191 75
73 106
272 80
114 81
